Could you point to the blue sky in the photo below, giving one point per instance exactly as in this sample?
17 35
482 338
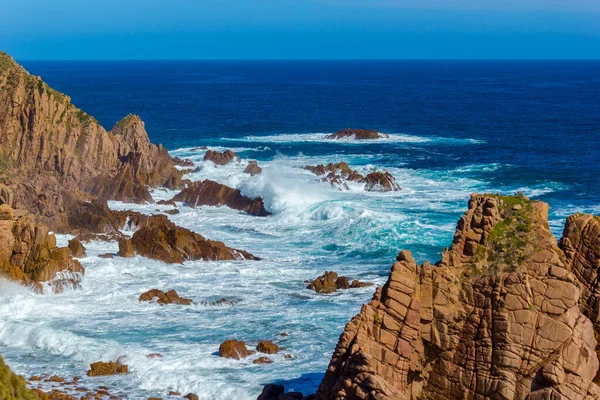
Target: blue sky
300 29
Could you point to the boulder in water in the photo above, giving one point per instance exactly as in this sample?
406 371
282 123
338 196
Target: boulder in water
170 297
221 158
235 349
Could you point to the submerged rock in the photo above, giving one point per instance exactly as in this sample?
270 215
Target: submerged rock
170 297
107 368
234 349
357 134
211 193
253 168
498 317
262 360
221 158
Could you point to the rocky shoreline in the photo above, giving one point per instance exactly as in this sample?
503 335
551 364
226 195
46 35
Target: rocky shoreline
508 312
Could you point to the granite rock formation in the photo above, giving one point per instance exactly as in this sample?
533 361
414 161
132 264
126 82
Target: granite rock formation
357 134
498 317
107 368
28 254
52 152
221 158
235 349
380 182
211 193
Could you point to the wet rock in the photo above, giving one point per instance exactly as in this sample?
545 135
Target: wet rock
29 255
106 255
125 248
211 193
329 282
221 158
381 182
191 396
267 347
357 134
234 349
165 241
55 378
220 302
35 378
170 297
277 392
172 212
263 360
77 249
154 355
253 168
107 368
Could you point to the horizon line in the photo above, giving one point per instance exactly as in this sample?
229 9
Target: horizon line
306 59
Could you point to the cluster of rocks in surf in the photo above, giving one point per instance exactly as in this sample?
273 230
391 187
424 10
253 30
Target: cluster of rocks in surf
339 174
358 134
237 350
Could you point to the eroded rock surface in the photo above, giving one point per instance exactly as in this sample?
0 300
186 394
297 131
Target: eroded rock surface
28 254
235 349
498 317
211 193
357 134
53 152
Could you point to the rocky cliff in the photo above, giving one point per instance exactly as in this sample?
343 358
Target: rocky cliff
53 153
498 317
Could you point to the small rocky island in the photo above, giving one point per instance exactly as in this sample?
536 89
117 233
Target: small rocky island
357 134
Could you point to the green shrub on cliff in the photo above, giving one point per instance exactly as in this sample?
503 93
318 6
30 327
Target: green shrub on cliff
12 387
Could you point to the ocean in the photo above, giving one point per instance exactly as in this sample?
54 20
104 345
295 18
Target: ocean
456 127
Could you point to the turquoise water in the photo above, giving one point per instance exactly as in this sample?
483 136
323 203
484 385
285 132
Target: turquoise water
455 129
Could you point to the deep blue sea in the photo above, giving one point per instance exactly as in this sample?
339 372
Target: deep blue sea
456 127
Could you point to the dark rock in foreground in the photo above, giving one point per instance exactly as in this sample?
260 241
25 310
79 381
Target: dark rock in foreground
211 193
357 134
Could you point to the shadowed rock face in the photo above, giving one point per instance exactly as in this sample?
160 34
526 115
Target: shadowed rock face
211 193
581 245
51 151
357 134
28 254
498 317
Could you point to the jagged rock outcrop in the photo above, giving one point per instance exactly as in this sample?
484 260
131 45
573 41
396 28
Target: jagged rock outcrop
581 245
498 317
253 168
221 158
12 386
170 243
267 347
380 182
357 134
28 254
52 152
211 193
339 174
170 297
